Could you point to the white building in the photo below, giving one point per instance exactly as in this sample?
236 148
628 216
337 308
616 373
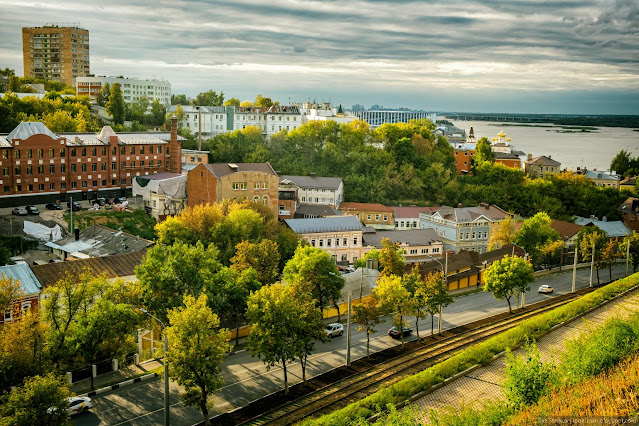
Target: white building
132 88
315 190
163 193
378 117
214 118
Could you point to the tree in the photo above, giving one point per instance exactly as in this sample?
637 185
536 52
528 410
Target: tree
103 95
367 315
232 102
423 292
138 109
42 400
168 273
312 270
508 276
115 106
209 98
231 293
394 299
158 112
483 152
437 295
179 100
527 377
10 291
196 351
535 233
633 240
23 351
262 102
60 121
588 238
502 234
264 257
621 162
609 254
391 258
309 328
274 313
549 251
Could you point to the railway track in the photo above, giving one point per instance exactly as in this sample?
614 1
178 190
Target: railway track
356 387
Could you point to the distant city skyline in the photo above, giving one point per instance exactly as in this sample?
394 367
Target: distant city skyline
571 57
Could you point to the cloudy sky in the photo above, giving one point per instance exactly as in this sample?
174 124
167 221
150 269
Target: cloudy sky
559 56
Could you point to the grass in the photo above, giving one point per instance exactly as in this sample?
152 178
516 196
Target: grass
135 222
480 353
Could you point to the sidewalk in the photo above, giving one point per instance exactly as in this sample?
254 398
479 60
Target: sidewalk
107 379
484 383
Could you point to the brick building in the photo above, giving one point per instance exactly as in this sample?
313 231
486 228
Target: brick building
374 215
55 53
39 166
212 183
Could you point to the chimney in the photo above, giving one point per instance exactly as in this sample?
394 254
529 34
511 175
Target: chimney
550 157
77 234
529 157
174 149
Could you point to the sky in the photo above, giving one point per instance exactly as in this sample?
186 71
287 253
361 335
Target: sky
530 56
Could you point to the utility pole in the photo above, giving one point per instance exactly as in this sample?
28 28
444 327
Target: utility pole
441 308
348 332
592 263
574 269
627 256
71 220
199 130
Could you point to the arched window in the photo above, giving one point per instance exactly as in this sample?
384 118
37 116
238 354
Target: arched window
265 199
256 199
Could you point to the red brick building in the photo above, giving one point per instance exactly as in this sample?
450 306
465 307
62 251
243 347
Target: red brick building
38 166
212 183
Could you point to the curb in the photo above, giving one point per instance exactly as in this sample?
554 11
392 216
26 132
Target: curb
120 385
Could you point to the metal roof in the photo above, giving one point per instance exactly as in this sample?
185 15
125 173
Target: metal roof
27 129
615 228
593 174
324 224
28 281
412 237
222 169
313 182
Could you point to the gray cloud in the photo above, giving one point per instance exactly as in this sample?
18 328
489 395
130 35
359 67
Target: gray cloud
286 47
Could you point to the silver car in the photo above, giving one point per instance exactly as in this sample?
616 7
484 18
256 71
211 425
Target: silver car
20 211
335 329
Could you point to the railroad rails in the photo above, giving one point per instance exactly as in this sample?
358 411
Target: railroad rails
420 357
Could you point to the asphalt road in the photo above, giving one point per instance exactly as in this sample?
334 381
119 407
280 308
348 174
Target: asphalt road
247 379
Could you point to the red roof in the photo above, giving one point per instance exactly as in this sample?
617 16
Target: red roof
411 211
565 229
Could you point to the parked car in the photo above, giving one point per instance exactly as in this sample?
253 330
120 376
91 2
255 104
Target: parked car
32 210
53 206
395 334
99 201
76 206
335 329
76 404
119 200
545 289
20 211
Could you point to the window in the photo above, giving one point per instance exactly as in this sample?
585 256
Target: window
345 242
5 171
424 251
122 150
41 187
16 154
344 258
94 183
151 149
63 185
7 315
329 242
122 165
368 217
132 150
355 241
18 170
29 153
114 150
51 168
30 188
159 163
52 186
41 170
150 163
18 188
243 186
159 150
236 186
104 150
83 167
5 154
62 151
141 163
72 152
94 151
94 167
257 185
103 166
385 218
84 184
337 242
321 243
413 251
74 185
63 168
313 243
436 250
29 170
6 189
256 199
264 185
51 153
377 216
84 152
123 181
132 164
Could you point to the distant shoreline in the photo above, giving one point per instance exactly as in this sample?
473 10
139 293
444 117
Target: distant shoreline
554 128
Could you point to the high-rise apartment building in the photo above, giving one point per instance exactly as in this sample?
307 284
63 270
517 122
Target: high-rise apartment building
55 53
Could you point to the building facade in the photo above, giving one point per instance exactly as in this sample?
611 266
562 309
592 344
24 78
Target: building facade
315 189
29 285
464 228
541 166
56 53
164 194
207 120
408 217
341 236
378 117
600 178
376 216
418 245
193 156
132 88
38 166
212 183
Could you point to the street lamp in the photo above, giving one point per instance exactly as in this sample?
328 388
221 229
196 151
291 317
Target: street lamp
166 367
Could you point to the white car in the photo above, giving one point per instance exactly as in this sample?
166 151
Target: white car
545 289
335 329
78 404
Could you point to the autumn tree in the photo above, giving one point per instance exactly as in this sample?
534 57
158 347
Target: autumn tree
502 234
168 273
273 313
592 241
115 106
609 254
367 315
262 102
534 234
10 291
263 257
312 270
391 258
508 276
197 348
232 102
633 240
394 299
40 401
23 349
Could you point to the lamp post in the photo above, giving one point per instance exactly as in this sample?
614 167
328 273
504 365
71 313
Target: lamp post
166 368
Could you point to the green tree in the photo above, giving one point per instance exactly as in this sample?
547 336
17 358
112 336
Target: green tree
534 234
633 240
196 351
588 238
609 255
264 257
508 276
209 98
527 377
394 299
42 400
262 102
139 108
168 273
436 295
158 112
309 328
231 293
232 102
274 312
60 121
391 258
367 315
115 106
621 162
103 95
179 100
483 152
423 292
312 270
503 233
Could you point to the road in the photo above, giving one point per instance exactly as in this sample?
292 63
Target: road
247 379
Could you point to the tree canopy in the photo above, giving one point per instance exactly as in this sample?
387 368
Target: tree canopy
507 277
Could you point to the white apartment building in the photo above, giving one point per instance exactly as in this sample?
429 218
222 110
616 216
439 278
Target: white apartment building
132 88
214 118
315 189
271 120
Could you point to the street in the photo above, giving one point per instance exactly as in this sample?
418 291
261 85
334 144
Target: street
247 378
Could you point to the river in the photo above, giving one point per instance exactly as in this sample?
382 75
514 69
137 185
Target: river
594 149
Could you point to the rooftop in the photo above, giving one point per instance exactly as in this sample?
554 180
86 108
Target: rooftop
470 214
21 272
316 210
324 224
542 160
313 182
97 241
411 211
566 230
615 228
412 237
370 207
220 170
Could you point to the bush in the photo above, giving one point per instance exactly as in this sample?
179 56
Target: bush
527 378
490 413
